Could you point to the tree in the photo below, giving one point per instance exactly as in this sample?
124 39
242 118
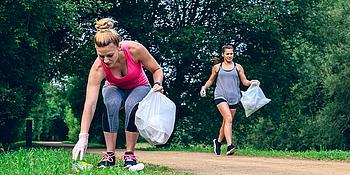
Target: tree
316 115
31 32
183 34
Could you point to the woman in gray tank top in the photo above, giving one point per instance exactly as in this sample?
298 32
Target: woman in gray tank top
227 95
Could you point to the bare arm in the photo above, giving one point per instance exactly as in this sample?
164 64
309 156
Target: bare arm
96 75
142 55
242 76
214 72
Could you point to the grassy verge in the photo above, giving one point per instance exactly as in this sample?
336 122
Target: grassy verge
58 161
310 154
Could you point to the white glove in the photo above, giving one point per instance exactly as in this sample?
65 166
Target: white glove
81 146
254 82
203 92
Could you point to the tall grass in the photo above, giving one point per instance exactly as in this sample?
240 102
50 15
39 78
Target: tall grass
41 161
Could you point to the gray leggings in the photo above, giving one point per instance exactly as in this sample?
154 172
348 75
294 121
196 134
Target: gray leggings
114 99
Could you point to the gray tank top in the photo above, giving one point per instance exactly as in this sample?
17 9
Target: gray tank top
227 85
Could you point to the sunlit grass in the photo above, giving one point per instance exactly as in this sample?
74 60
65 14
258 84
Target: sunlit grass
58 161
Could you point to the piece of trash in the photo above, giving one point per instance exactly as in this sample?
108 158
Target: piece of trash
81 166
137 167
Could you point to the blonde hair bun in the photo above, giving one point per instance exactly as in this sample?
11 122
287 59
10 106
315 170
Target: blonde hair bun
105 33
104 24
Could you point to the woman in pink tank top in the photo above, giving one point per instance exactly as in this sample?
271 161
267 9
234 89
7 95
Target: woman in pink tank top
120 64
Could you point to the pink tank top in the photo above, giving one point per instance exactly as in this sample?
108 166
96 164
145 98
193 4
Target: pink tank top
135 77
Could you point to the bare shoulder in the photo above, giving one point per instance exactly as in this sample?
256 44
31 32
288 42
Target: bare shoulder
239 66
96 68
216 67
97 64
133 46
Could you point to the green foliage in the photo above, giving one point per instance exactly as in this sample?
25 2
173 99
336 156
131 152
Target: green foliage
258 40
275 44
317 114
299 50
49 114
12 105
72 124
25 52
36 37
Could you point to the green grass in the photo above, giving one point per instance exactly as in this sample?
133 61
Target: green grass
58 161
310 154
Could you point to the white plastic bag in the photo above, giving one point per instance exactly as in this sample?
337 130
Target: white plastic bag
155 118
253 99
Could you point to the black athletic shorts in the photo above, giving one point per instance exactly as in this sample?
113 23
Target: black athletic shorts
218 101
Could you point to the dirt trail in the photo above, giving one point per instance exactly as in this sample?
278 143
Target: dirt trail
206 163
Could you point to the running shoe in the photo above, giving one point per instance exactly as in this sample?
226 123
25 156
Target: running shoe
107 160
129 159
217 147
231 149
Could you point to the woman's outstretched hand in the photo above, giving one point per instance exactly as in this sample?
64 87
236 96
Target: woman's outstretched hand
81 146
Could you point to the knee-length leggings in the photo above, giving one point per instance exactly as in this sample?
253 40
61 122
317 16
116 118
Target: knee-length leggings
114 99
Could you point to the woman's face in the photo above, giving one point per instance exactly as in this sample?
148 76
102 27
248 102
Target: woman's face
108 54
228 55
